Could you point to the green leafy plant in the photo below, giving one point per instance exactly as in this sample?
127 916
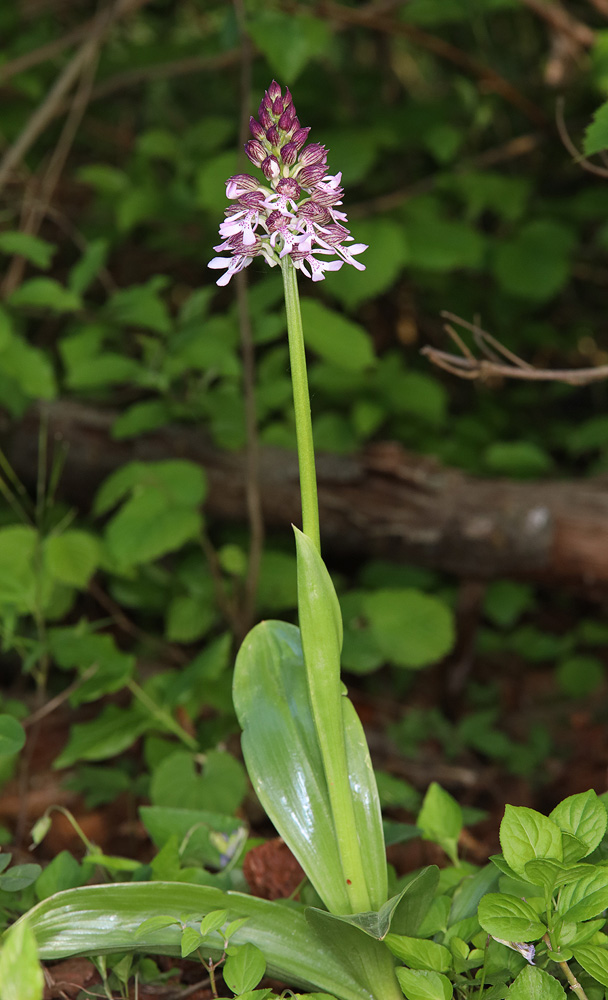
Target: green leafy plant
304 745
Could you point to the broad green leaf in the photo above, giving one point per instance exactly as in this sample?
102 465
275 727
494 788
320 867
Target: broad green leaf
387 253
17 572
288 40
521 459
411 629
470 891
423 985
213 921
35 250
75 647
534 984
596 134
509 918
63 872
219 788
113 731
283 759
584 817
535 264
72 557
85 270
20 971
190 941
546 872
141 306
103 369
440 817
526 834
438 243
579 676
586 897
29 367
367 959
506 600
12 735
141 417
45 293
594 960
356 810
105 919
148 526
204 838
419 954
335 338
244 967
19 877
180 481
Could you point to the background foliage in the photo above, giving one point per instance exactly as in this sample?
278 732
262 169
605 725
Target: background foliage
122 616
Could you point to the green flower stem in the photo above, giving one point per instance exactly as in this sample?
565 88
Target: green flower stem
301 403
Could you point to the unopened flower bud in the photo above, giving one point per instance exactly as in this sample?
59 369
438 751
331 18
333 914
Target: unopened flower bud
277 106
240 184
255 151
273 91
271 168
256 129
300 136
272 135
287 118
264 116
289 153
312 174
287 98
315 153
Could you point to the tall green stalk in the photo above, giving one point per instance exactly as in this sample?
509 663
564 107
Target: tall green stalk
301 403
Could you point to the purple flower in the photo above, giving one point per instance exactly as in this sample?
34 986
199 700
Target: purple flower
293 209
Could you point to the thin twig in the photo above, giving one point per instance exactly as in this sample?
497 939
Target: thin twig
52 103
561 21
469 367
53 172
44 52
567 141
58 700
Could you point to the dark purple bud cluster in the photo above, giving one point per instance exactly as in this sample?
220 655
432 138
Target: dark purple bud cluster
296 214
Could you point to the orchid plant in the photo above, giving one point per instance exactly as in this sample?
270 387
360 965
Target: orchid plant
308 759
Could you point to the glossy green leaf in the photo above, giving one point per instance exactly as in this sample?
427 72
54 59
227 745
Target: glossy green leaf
288 39
470 891
351 784
509 918
105 919
411 629
32 248
584 817
244 967
45 293
12 735
72 557
534 984
387 253
282 755
419 954
368 960
423 985
21 975
586 897
526 834
596 134
594 960
335 338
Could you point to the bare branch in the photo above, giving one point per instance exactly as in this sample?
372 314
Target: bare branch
469 367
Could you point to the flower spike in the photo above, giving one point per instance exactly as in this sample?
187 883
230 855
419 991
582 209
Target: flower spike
293 211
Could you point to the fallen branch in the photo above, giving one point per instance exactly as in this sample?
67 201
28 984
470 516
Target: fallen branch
384 502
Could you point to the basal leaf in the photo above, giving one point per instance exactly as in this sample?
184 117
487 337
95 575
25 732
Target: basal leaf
526 834
105 919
